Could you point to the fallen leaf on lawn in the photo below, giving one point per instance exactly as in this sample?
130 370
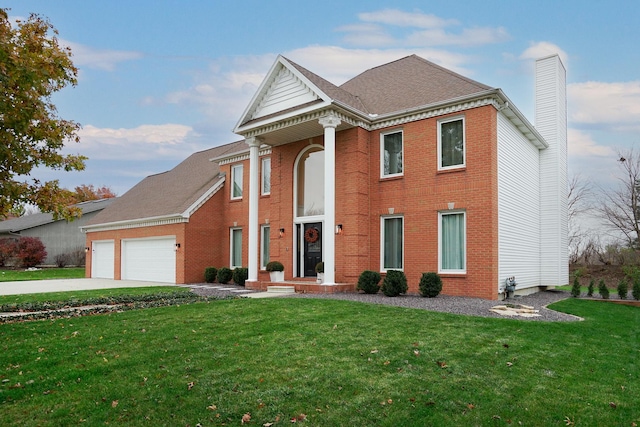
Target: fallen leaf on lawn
416 352
470 406
261 405
246 418
374 351
386 362
389 401
335 326
443 365
114 403
267 424
568 421
212 407
190 385
509 364
41 349
613 405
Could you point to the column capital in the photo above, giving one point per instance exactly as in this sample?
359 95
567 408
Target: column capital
253 141
331 120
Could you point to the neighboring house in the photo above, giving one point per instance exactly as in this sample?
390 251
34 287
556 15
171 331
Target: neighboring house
60 236
407 166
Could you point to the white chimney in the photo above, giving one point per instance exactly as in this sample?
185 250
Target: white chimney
551 122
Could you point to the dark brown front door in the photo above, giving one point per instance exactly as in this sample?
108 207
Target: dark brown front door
312 248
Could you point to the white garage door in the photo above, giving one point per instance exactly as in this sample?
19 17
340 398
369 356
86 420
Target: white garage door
102 257
151 260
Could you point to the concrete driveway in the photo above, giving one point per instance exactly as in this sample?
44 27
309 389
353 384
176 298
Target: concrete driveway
62 285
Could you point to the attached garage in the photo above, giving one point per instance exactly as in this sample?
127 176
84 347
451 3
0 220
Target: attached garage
102 257
151 260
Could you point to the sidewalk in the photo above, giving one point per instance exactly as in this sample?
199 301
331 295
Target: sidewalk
62 285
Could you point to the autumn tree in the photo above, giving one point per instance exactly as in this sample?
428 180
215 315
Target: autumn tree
84 193
33 66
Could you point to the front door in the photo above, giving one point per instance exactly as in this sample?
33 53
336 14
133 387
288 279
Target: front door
312 241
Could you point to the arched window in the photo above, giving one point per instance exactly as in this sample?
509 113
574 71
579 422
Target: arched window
310 182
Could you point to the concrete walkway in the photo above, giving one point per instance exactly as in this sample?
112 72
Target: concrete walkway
63 285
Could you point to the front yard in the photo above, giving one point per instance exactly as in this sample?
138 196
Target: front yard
321 362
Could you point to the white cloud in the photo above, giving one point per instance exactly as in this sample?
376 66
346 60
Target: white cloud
416 29
610 105
140 143
541 49
581 144
102 59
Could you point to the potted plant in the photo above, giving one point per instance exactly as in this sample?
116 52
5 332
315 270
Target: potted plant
276 271
320 272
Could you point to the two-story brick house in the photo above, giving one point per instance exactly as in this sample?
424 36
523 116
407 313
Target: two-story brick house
408 166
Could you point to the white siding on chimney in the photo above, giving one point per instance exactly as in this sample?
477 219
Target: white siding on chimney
551 122
518 206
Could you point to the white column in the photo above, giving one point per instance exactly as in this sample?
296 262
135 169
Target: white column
254 189
329 122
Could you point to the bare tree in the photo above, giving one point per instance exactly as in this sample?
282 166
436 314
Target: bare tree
620 207
578 203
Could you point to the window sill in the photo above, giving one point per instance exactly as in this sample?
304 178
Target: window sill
445 171
235 200
453 275
390 178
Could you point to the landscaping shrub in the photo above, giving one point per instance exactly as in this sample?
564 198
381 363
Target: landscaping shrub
394 283
30 251
210 274
7 250
369 282
224 275
591 288
77 257
274 266
240 275
623 288
635 291
575 288
602 289
320 267
430 285
61 260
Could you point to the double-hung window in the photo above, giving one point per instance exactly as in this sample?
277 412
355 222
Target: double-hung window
392 239
236 247
236 182
391 153
265 236
451 143
452 242
266 176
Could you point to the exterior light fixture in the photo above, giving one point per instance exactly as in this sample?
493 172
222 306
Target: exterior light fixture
177 246
339 229
281 232
86 249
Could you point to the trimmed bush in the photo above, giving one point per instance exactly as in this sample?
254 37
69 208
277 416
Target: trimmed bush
210 274
623 288
320 267
61 260
430 285
603 290
30 251
635 291
394 283
369 282
224 275
590 289
274 266
240 275
575 288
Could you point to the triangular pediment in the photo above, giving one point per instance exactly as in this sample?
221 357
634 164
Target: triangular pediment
283 90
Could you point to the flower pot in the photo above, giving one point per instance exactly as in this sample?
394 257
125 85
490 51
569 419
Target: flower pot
276 276
320 278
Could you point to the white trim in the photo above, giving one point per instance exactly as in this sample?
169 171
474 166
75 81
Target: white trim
464 143
135 223
382 150
262 170
239 156
295 184
263 264
383 218
203 199
231 247
440 215
234 170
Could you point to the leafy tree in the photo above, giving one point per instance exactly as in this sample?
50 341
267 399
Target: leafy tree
33 67
84 193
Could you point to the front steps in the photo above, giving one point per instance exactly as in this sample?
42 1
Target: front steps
300 286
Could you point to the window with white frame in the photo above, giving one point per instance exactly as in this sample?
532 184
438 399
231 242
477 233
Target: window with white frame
266 176
236 247
391 154
392 239
451 146
265 238
452 242
236 182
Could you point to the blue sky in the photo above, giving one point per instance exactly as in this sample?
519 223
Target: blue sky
160 79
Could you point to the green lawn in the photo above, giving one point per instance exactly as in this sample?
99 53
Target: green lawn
42 274
322 363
